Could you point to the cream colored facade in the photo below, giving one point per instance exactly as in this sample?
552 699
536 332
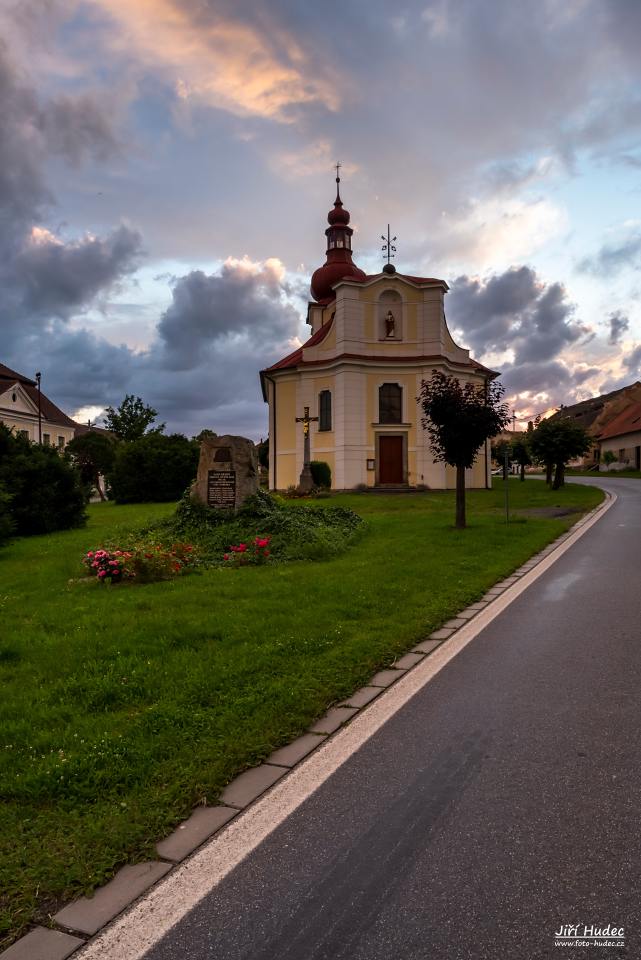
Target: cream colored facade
20 413
353 352
627 448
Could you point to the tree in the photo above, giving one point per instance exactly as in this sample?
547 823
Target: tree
154 468
555 441
499 449
459 419
131 420
45 488
521 454
94 454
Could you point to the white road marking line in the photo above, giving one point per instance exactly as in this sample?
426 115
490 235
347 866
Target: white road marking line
132 934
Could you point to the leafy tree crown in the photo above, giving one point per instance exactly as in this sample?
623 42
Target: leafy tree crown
460 417
132 419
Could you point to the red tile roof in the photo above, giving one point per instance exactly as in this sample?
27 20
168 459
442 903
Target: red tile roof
628 421
49 410
297 356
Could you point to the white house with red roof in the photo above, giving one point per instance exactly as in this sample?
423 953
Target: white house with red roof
20 401
374 339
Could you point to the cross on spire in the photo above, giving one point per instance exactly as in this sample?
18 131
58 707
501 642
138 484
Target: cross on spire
388 247
338 182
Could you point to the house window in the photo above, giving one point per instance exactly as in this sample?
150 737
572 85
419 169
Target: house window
61 442
390 403
14 397
325 410
46 438
24 433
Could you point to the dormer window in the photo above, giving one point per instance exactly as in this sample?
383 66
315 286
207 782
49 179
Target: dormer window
14 397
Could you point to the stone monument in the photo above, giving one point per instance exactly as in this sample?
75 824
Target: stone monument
227 472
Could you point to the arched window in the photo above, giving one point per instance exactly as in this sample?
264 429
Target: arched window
390 403
325 410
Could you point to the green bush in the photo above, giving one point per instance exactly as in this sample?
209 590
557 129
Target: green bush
45 489
321 473
7 523
296 532
155 468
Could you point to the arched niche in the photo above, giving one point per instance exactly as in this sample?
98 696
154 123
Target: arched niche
390 316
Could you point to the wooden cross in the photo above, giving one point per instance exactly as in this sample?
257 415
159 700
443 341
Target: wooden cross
306 420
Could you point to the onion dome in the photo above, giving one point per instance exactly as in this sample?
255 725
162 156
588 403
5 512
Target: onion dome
338 264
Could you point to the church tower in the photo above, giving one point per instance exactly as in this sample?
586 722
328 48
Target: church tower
348 395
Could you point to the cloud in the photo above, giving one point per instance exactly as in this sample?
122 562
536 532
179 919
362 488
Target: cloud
228 62
244 304
517 312
632 361
615 256
619 325
201 369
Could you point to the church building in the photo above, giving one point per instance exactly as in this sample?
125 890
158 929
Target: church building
352 387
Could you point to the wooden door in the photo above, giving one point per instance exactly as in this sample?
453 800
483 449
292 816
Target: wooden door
390 459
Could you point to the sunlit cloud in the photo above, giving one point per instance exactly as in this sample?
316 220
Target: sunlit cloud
227 64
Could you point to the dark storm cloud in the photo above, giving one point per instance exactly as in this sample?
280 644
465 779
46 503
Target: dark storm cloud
614 257
514 310
517 311
632 362
209 310
619 326
58 278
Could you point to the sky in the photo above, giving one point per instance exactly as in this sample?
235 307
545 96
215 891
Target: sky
166 168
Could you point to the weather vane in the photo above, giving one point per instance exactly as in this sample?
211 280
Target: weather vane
389 249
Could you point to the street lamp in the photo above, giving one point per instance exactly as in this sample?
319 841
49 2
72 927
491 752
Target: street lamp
38 378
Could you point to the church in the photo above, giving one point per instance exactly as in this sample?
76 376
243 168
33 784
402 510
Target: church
349 393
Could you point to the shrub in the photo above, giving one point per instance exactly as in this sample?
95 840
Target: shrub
154 468
242 554
296 531
321 473
45 489
7 524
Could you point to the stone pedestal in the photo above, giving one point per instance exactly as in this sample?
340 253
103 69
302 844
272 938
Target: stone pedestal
227 472
306 482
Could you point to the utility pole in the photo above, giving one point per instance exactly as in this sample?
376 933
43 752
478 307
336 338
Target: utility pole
38 378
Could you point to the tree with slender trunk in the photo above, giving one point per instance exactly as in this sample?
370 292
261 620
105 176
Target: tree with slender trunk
459 418
521 454
556 441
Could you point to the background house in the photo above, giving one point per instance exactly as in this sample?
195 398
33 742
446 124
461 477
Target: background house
19 411
622 437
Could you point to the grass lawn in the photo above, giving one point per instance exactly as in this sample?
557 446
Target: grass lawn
124 706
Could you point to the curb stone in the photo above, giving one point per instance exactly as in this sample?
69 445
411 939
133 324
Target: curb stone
51 944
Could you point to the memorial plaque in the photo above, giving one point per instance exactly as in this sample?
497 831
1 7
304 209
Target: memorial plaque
227 472
221 489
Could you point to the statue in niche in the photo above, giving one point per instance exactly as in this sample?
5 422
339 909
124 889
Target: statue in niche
390 325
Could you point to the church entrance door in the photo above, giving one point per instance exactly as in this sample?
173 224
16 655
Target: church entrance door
390 460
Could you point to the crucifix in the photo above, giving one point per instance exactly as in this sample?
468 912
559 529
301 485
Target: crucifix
306 482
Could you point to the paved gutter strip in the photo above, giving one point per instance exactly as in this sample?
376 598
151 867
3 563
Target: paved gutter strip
43 944
188 836
90 915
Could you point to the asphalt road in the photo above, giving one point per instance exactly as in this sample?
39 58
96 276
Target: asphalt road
502 802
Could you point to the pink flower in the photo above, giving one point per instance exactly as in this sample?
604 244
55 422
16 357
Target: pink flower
102 573
226 556
261 541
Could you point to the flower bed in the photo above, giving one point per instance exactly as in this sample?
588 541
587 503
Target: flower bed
144 562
